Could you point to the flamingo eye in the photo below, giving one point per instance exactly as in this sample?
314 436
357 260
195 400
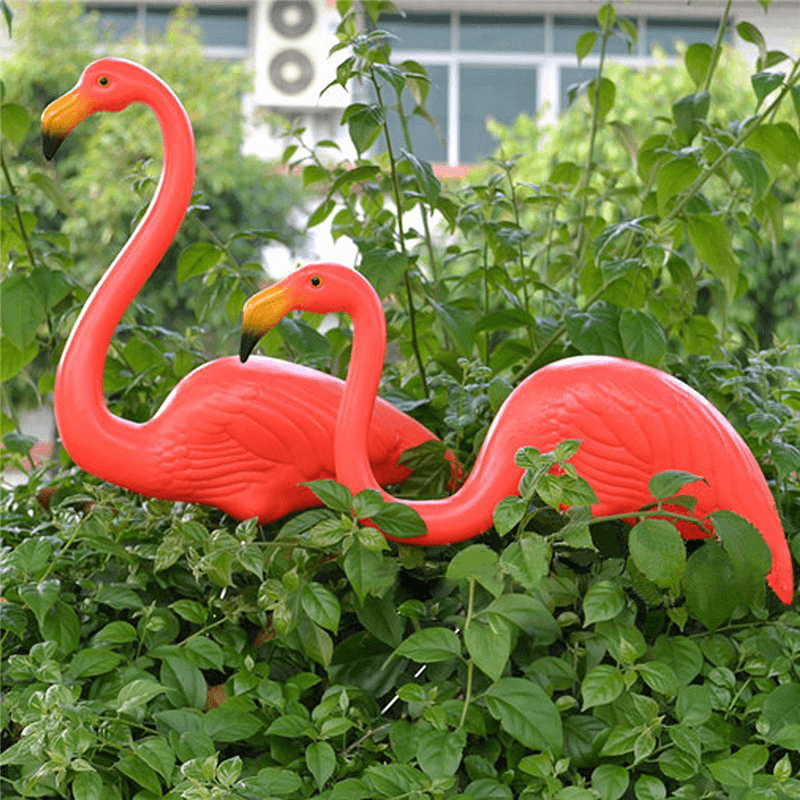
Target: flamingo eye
102 81
316 280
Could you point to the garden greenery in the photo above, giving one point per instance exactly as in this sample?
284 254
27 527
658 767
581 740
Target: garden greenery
158 650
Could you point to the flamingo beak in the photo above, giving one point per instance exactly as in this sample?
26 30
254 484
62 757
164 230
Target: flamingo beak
262 312
59 118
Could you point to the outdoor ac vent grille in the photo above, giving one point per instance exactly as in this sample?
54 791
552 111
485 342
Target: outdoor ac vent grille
296 68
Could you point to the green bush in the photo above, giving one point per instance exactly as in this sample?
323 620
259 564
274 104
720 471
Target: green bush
556 656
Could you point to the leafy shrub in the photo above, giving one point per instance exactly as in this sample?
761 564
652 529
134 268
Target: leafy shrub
156 650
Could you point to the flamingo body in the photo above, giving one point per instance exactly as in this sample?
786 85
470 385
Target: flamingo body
633 421
238 437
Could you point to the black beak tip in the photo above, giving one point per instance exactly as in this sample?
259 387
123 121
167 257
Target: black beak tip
50 145
247 345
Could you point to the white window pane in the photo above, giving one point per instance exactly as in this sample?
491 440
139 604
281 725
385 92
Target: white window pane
224 26
509 33
666 32
566 31
569 76
428 143
417 31
488 91
116 22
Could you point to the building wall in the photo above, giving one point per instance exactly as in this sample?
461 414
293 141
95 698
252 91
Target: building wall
484 58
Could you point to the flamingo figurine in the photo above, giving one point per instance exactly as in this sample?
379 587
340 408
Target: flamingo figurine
633 421
240 437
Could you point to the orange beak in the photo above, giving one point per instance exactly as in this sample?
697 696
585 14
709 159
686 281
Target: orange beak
262 312
59 118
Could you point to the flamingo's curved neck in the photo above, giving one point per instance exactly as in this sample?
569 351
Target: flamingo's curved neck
451 519
86 426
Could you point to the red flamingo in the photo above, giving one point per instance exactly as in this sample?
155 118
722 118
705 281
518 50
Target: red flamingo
633 421
238 437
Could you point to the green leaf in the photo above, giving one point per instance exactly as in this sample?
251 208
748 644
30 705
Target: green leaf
399 520
697 60
430 645
643 339
675 177
604 600
602 98
508 513
585 44
88 663
198 259
137 693
14 123
369 572
354 175
439 752
711 239
602 685
21 311
750 166
658 551
527 561
184 683
321 212
670 482
488 642
364 123
40 597
157 754
321 762
137 770
118 632
778 145
659 677
750 33
610 781
648 787
313 173
88 786
190 610
14 359
321 606
709 585
689 113
470 561
525 712
764 83
694 705
332 494
384 269
428 183
749 554
596 330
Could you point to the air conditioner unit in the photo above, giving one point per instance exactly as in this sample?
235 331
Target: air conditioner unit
293 65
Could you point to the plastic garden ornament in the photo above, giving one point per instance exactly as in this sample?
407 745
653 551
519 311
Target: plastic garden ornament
241 437
633 421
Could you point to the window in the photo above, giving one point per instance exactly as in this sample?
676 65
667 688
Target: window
225 29
500 65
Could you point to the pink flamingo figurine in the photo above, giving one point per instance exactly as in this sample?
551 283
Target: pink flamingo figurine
238 437
633 421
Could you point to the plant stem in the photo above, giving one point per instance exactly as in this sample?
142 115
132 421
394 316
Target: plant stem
470 663
412 314
20 221
744 132
717 47
587 174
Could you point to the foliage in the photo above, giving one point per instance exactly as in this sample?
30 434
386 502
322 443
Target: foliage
62 222
555 657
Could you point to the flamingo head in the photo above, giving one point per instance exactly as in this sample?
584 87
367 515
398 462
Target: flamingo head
318 288
109 84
